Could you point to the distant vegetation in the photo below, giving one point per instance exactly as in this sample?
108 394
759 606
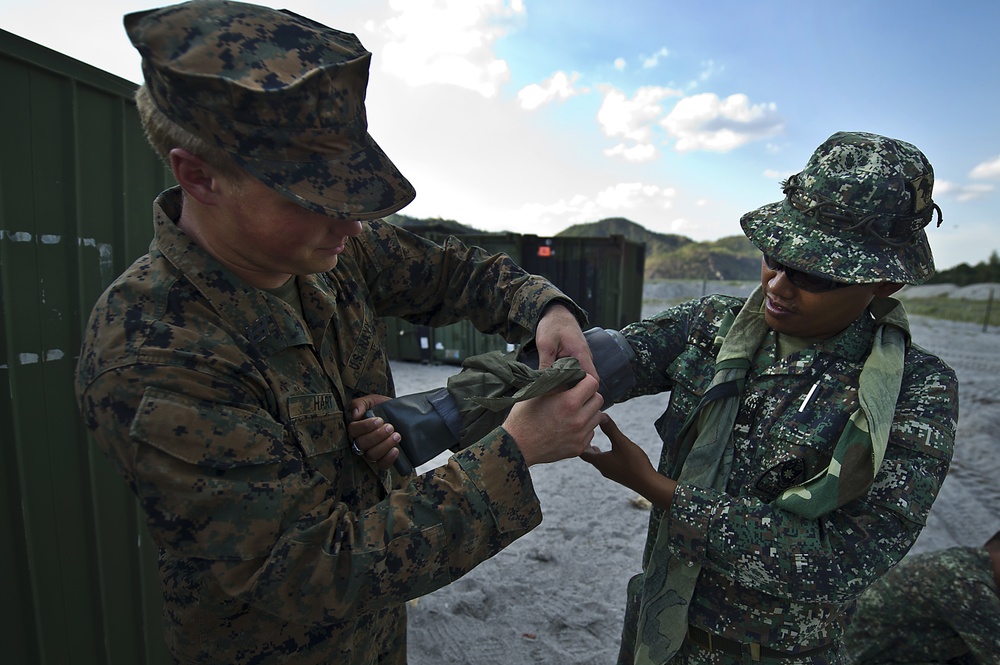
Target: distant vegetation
670 256
963 274
952 309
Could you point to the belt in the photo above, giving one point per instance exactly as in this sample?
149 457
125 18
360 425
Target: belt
754 650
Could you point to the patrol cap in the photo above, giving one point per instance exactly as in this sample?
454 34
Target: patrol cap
856 213
283 95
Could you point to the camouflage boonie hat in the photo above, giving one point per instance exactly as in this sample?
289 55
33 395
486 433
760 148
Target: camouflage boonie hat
283 95
856 213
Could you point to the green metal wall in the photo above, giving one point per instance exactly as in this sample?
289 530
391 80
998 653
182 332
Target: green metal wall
602 275
77 571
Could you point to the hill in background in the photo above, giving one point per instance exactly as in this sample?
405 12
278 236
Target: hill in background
668 256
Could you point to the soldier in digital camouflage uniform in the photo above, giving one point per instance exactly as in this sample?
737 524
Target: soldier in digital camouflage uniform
805 438
936 607
218 371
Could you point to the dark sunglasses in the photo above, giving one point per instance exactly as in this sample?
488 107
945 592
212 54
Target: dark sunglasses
803 280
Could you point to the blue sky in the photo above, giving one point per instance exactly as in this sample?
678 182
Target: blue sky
531 115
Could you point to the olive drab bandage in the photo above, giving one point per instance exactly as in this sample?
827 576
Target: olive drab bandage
477 399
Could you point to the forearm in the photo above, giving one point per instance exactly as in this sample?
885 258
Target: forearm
436 285
418 539
656 488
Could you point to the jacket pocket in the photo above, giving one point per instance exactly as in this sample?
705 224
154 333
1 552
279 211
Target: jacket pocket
208 475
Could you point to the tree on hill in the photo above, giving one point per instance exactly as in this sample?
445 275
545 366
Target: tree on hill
619 226
730 258
431 223
670 256
963 274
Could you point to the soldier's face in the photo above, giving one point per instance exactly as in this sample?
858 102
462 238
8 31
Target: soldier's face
793 311
271 235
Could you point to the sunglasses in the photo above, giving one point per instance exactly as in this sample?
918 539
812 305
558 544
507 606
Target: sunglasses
803 280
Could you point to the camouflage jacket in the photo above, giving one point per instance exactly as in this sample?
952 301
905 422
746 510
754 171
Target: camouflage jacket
934 607
226 414
770 576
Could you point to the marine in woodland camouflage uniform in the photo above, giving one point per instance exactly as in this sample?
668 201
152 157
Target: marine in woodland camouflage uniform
775 586
936 607
226 406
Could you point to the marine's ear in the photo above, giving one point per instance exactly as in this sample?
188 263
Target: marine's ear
197 178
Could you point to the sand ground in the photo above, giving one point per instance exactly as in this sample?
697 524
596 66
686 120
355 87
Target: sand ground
557 595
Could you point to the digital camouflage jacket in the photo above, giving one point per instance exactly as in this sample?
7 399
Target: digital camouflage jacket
770 576
226 414
935 607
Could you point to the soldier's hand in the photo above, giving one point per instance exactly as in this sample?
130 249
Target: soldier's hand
627 464
558 335
377 440
557 425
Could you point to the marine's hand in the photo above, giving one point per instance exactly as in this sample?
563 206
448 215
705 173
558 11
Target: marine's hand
557 425
376 439
627 464
558 335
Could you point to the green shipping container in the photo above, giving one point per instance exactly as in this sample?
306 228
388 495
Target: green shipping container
77 569
602 275
453 343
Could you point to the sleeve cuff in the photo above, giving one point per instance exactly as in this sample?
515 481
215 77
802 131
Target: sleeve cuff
531 300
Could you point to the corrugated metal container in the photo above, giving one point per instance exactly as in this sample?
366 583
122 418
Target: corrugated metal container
76 185
454 343
602 275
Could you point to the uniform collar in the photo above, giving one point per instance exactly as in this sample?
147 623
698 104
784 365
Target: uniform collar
265 320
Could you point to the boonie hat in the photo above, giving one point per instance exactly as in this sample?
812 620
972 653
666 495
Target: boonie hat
283 95
856 213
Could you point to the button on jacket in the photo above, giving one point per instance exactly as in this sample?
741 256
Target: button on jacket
226 414
770 576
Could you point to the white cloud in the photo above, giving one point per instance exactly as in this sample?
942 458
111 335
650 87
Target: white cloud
447 42
558 86
708 70
986 170
631 195
620 64
620 200
961 193
631 118
653 60
640 152
706 122
682 226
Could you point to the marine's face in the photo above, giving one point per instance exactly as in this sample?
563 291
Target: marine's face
793 311
272 236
